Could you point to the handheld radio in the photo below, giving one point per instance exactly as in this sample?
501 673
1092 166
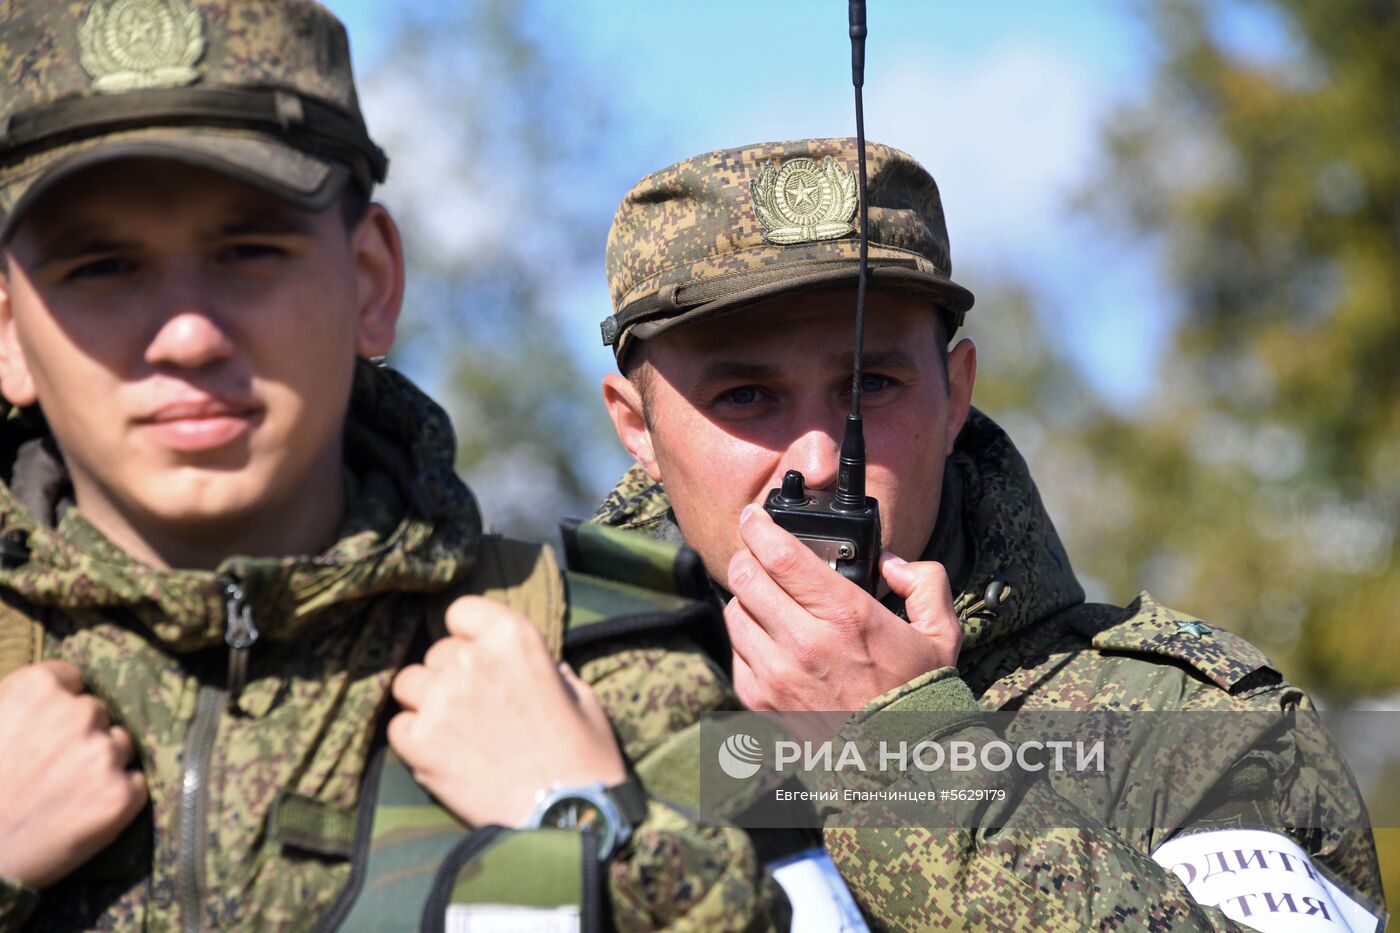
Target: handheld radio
842 527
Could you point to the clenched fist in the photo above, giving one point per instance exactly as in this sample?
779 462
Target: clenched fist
489 719
65 789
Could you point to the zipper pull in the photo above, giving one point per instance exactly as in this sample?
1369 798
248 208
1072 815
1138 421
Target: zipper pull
240 634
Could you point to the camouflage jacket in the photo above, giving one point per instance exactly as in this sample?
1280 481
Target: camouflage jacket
1054 855
334 628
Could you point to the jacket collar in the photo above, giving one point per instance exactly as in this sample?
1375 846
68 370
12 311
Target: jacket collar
410 525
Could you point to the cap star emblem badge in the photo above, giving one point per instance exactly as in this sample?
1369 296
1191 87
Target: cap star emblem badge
130 44
803 201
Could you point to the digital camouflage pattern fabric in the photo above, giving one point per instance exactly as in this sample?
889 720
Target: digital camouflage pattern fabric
260 89
732 227
1042 647
334 628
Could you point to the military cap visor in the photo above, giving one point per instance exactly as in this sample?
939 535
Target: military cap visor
689 304
287 173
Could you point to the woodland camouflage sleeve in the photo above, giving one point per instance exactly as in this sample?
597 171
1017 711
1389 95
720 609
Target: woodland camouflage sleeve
1039 860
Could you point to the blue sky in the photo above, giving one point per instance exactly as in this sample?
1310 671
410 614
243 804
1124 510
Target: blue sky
1004 102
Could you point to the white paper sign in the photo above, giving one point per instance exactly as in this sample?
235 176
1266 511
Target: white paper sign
821 902
1263 880
502 918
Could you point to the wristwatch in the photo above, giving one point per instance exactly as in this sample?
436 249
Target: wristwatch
609 812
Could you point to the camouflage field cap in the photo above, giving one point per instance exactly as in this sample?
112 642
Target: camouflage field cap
737 226
260 90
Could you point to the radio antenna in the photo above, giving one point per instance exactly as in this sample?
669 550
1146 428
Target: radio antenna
850 483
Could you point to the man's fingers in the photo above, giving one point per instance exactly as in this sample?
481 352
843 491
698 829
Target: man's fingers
761 597
98 717
440 654
747 638
123 748
793 566
466 615
411 686
583 696
400 728
928 598
571 680
892 568
746 686
66 673
136 781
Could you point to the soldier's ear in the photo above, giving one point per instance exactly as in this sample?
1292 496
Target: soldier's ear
962 373
377 252
16 381
623 401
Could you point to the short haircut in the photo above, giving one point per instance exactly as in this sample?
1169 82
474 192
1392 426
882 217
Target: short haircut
354 203
637 371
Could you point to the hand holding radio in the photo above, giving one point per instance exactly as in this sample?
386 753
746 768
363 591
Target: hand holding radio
805 638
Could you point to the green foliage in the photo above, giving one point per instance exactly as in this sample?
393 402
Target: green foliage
1260 485
1266 473
497 152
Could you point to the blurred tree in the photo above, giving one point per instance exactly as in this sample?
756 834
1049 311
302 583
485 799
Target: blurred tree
499 150
1267 468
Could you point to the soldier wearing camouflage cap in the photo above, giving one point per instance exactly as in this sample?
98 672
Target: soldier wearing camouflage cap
732 278
227 535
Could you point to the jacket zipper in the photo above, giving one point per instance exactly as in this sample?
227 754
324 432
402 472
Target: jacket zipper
240 634
193 797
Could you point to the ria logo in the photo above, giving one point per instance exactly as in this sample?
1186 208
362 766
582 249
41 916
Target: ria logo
740 756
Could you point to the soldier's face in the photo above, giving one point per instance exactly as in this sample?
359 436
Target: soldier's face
736 401
191 342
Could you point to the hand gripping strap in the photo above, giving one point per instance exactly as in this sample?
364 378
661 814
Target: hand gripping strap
518 574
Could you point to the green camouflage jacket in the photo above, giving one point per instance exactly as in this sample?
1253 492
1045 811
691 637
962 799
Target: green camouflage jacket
333 629
1053 855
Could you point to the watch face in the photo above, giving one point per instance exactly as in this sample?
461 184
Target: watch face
572 813
580 813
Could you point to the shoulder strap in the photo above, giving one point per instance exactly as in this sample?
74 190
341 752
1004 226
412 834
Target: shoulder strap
634 558
520 574
619 585
626 585
1224 659
21 635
